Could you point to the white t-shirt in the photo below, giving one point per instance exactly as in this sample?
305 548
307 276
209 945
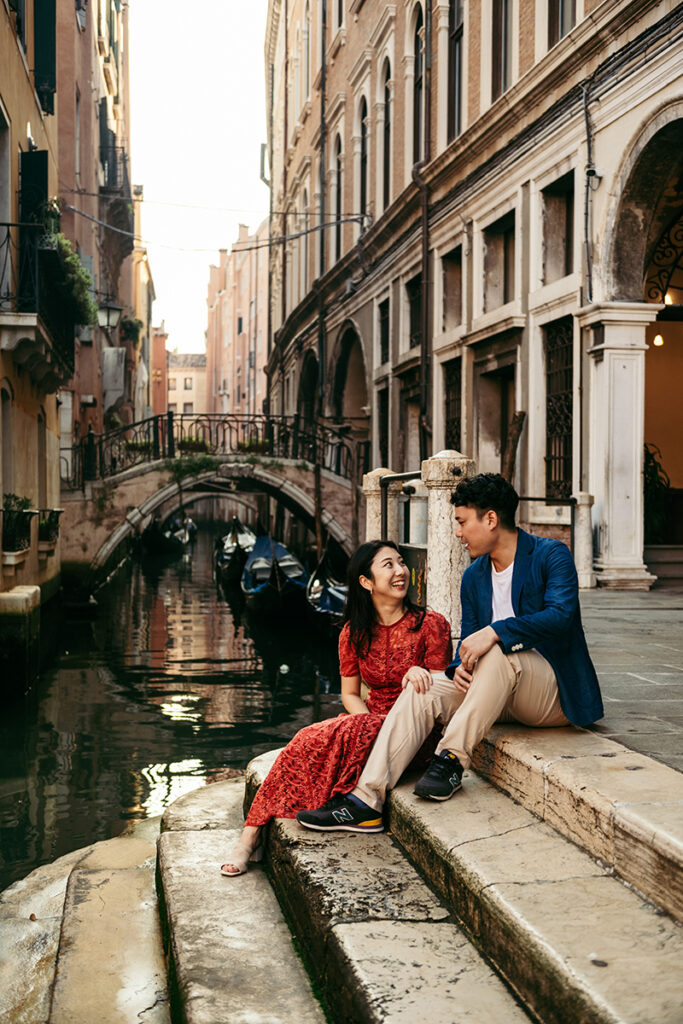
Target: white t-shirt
502 593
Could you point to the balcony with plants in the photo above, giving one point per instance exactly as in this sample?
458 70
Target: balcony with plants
45 291
16 531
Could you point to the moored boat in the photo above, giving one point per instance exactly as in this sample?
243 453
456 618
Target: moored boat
273 580
232 552
326 597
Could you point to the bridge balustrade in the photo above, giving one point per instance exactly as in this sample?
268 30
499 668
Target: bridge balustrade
170 436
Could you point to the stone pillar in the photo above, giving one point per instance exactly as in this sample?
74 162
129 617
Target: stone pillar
446 557
583 540
616 438
373 505
419 513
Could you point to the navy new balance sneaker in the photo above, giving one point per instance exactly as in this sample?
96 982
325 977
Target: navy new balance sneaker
442 779
340 814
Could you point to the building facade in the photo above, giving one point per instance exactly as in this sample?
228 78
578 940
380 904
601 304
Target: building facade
186 384
237 326
477 239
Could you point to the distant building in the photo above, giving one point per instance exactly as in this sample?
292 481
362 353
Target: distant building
159 371
141 320
236 338
477 212
186 384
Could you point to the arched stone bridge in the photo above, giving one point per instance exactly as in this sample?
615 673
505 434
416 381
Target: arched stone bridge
101 520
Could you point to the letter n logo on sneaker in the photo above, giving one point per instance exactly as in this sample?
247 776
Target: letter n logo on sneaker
343 814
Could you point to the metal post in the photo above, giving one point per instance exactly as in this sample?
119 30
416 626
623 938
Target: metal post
155 438
171 438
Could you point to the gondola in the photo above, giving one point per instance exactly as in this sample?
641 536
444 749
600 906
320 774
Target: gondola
232 552
273 580
169 540
326 598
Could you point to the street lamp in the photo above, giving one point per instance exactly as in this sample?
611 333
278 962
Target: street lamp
108 314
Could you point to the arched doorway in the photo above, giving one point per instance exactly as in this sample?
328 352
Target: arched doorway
308 390
349 399
646 266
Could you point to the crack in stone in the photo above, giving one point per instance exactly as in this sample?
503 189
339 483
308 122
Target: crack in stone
494 835
543 881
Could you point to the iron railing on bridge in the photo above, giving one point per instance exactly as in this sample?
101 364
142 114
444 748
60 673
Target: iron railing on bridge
98 456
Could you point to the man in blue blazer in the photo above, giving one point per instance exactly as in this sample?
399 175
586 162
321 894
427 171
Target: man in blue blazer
522 658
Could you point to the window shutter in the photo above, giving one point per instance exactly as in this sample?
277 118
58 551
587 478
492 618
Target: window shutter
33 185
46 53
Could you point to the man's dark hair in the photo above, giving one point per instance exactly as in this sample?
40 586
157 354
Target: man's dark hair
488 491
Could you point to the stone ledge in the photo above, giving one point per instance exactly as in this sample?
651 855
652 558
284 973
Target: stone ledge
620 806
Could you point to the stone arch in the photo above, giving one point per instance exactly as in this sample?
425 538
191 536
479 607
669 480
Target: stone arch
252 478
349 397
646 203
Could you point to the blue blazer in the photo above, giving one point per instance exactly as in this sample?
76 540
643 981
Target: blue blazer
545 598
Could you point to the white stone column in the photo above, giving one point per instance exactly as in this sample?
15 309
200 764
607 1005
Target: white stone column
446 557
373 505
583 540
616 438
440 31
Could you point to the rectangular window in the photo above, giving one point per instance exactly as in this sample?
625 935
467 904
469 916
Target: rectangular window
187 383
384 334
561 19
453 390
188 407
499 262
559 369
383 426
558 229
455 23
501 48
171 383
451 269
239 324
172 407
414 292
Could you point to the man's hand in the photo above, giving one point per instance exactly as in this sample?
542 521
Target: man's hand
419 678
476 645
462 679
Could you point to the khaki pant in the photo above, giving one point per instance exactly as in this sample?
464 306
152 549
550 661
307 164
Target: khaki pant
506 688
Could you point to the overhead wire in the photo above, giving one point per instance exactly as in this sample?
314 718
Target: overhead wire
237 247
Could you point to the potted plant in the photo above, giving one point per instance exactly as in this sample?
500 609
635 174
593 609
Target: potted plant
48 525
192 444
16 523
130 329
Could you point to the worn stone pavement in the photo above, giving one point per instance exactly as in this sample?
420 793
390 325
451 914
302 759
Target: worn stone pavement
636 642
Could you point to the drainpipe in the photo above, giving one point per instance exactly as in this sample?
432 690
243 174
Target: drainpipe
317 481
425 361
283 297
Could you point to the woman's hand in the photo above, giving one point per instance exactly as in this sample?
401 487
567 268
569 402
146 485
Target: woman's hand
419 678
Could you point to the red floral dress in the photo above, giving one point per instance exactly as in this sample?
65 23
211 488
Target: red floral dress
327 757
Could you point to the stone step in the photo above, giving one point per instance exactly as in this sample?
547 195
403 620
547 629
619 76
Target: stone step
571 940
378 944
30 923
231 956
110 964
620 806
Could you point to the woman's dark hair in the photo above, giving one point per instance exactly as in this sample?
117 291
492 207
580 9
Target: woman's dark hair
359 611
488 491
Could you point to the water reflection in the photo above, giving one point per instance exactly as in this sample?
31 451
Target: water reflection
168 688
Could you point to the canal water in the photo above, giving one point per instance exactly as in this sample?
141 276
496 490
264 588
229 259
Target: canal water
169 687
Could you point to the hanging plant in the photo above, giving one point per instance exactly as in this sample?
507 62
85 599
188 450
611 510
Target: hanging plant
77 286
130 329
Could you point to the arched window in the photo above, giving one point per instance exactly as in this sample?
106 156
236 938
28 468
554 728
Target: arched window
418 90
338 198
363 160
386 146
455 20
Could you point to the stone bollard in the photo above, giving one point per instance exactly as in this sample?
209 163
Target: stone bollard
419 517
583 540
373 506
446 557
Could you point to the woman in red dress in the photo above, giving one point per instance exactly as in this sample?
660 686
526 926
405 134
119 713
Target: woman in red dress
387 643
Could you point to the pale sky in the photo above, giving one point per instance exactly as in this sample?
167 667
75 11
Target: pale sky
197 86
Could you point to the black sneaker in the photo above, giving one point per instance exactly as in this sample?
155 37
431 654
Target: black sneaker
442 779
342 815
